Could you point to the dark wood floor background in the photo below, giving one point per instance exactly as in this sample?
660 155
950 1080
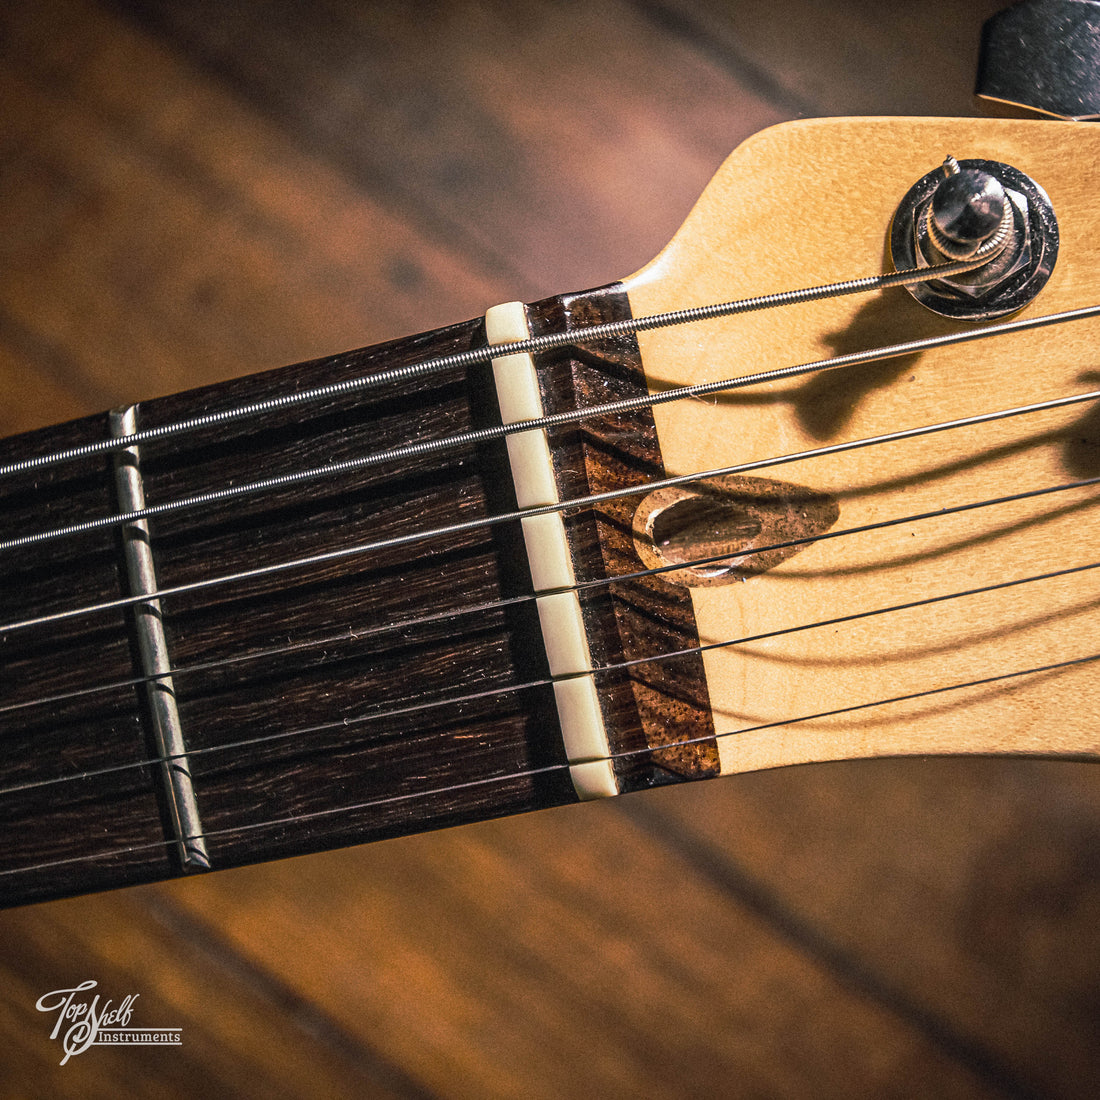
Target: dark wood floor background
194 189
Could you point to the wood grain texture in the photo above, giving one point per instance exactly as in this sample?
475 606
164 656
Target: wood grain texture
999 919
216 1002
649 700
332 703
798 695
636 994
180 209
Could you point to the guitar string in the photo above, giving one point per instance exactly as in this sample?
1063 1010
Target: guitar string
534 345
573 416
450 614
460 700
131 441
349 634
618 666
409 538
530 773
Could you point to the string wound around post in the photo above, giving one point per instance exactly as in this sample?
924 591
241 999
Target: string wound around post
976 208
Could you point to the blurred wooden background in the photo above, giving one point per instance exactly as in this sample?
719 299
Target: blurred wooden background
194 189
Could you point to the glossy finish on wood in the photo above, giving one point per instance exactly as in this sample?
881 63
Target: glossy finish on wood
791 695
195 190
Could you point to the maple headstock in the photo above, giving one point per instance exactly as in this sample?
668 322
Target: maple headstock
809 203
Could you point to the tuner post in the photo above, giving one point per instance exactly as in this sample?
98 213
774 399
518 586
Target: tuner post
981 210
967 210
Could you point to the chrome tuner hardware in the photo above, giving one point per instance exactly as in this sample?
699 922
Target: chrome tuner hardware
976 208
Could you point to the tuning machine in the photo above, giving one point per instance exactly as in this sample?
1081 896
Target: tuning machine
982 209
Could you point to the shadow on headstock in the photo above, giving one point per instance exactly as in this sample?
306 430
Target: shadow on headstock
907 578
825 403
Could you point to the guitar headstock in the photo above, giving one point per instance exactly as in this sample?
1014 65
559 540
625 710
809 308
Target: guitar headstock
810 203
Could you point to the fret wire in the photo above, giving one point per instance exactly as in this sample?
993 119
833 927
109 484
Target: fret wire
572 416
547 769
380 715
350 634
578 502
534 344
450 614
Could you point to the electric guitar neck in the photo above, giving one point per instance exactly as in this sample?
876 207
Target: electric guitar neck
591 545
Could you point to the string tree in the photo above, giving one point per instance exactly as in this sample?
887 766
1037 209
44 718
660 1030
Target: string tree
982 210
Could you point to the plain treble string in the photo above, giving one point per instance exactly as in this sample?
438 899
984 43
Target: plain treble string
473 356
412 796
382 714
579 502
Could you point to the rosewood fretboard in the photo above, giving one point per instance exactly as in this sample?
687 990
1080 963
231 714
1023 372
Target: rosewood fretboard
340 702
